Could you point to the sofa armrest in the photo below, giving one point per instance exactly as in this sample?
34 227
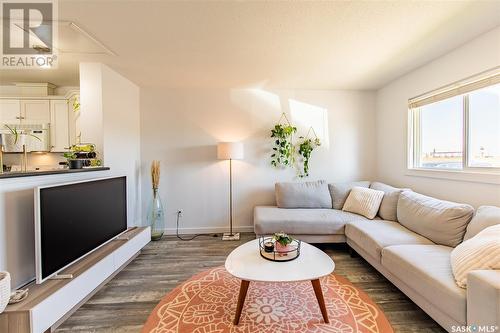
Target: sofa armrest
483 298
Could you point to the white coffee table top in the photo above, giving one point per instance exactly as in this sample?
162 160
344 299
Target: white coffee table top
246 263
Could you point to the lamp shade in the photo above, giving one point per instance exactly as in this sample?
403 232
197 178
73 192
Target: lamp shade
230 151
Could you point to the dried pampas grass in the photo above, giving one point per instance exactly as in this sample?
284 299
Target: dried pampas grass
155 174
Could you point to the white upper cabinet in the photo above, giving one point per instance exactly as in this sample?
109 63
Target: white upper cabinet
59 130
10 112
35 111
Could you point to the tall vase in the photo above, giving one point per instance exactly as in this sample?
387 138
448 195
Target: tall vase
156 217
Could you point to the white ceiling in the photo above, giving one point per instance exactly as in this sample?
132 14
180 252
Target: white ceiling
310 45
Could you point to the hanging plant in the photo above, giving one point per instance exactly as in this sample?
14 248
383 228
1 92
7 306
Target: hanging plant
306 148
283 150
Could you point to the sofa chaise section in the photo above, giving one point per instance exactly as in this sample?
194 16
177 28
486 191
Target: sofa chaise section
426 271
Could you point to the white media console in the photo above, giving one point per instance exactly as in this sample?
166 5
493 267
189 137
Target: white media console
50 303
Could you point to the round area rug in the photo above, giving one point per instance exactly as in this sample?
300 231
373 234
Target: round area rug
206 303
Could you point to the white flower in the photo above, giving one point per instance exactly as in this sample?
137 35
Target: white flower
266 309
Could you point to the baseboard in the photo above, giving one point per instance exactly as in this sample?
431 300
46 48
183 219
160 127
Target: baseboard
208 230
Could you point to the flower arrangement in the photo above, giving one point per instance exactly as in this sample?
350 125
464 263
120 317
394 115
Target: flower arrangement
282 241
282 238
156 213
155 174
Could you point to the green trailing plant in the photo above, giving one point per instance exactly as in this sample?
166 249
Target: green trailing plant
306 148
282 238
283 150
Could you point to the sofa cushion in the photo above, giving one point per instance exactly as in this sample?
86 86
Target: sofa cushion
340 191
485 217
373 236
303 195
268 220
426 269
389 205
480 252
363 201
443 222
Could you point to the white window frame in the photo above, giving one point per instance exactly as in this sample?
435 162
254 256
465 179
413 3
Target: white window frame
466 173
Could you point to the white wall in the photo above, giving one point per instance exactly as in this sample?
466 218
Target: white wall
182 127
110 105
476 56
110 119
122 135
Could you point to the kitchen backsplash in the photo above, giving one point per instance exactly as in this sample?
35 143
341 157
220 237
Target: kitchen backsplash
35 160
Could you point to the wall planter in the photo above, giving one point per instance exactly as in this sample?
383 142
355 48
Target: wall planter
287 152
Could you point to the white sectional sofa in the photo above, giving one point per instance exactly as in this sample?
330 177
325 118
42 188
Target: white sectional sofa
409 242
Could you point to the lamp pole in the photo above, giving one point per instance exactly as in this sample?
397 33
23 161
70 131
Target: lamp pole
231 197
230 151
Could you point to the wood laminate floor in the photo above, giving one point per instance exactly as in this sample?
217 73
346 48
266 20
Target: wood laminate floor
124 304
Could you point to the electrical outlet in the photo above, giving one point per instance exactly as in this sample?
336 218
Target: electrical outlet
180 212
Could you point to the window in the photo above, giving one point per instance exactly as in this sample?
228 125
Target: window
457 128
484 128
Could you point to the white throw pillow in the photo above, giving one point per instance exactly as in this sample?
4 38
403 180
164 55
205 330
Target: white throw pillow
479 252
363 201
485 216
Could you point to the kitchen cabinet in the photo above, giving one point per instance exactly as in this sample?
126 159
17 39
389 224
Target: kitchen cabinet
59 129
56 117
10 112
35 111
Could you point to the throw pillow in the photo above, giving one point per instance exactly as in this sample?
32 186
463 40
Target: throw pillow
443 222
303 195
479 252
363 201
389 206
340 192
485 216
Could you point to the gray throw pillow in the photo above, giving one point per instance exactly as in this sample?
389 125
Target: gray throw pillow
443 222
389 206
485 217
303 195
340 192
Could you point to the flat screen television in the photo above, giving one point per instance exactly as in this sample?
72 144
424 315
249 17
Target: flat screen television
72 220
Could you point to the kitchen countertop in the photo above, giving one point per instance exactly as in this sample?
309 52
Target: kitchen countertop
48 172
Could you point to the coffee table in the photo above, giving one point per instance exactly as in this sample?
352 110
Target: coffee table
246 263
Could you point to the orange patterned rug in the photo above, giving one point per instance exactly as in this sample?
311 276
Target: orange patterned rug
206 303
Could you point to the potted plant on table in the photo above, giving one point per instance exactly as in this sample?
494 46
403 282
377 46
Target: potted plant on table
16 139
73 161
282 242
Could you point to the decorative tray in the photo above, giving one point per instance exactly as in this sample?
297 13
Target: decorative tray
278 253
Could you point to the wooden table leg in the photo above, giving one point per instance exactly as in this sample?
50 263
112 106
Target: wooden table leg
241 300
321 301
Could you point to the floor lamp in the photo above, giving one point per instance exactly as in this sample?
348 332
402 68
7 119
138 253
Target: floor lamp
230 151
